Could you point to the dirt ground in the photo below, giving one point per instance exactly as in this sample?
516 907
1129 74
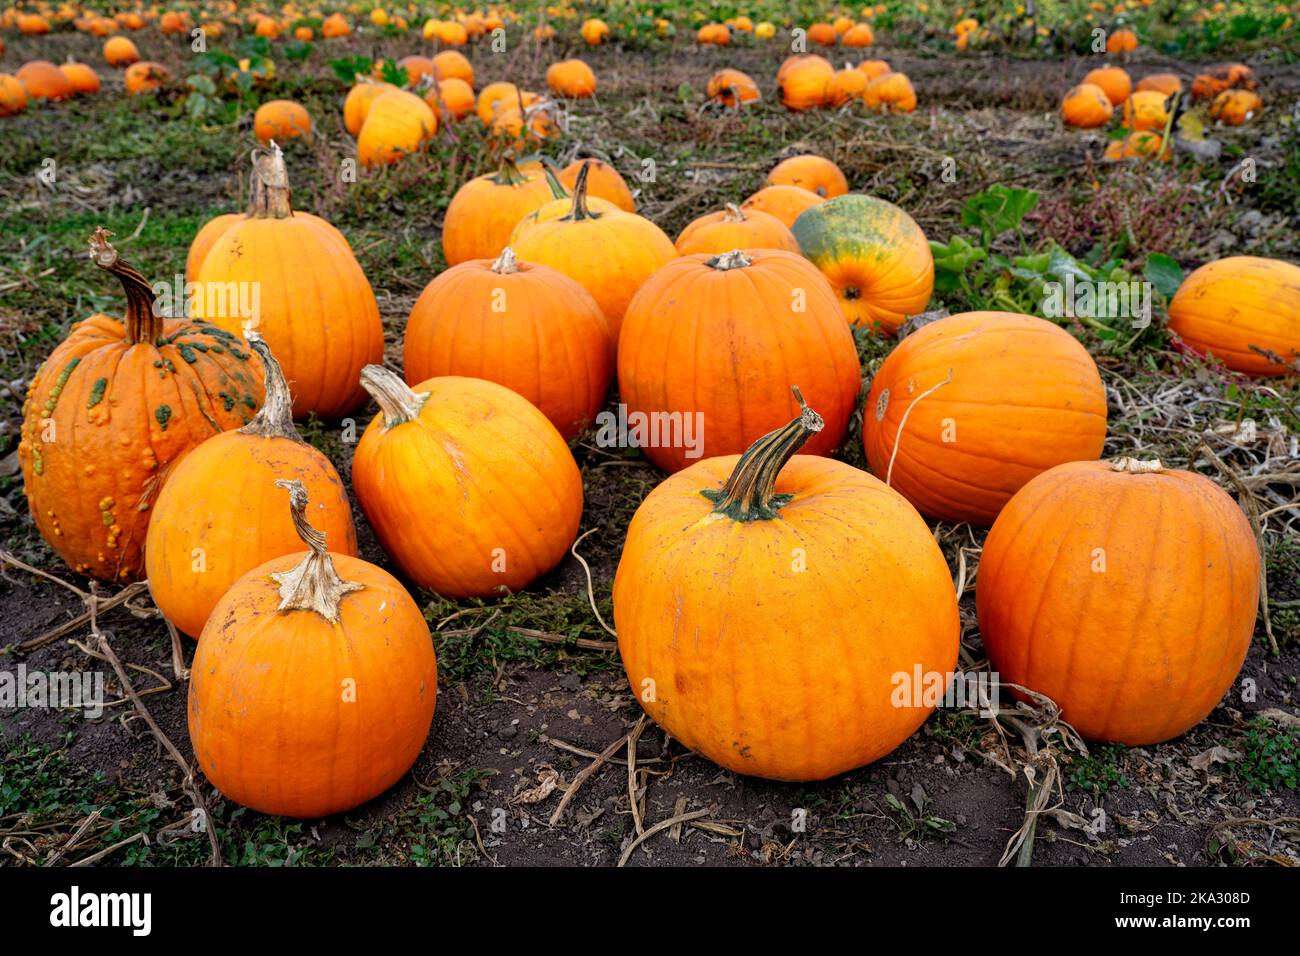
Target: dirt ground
523 708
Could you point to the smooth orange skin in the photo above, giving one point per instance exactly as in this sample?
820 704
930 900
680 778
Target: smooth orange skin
729 344
847 84
1228 305
45 81
715 233
572 78
804 82
481 470
484 212
222 498
786 203
823 34
416 67
858 36
281 120
594 32
452 64
890 92
357 103
874 68
603 182
335 26
317 311
766 670
1145 110
267 716
13 95
610 256
727 86
1142 651
1086 106
814 173
1113 81
1140 144
1166 83
557 209
535 331
108 460
85 81
450 99
1025 395
1121 41
398 123
203 241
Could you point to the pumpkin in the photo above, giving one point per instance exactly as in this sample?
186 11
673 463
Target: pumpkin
110 413
452 65
814 173
594 32
732 88
609 253
219 516
13 95
767 604
1231 307
484 211
450 99
1121 41
572 78
524 326
1125 592
858 36
1141 144
1086 106
561 204
874 68
335 26
875 256
802 82
847 84
603 182
515 485
1113 81
1021 396
718 340
823 34
145 77
315 307
398 123
1229 76
1235 107
733 228
85 81
416 67
314 683
890 93
1166 83
33 24
120 51
1146 110
45 81
496 96
522 127
358 101
786 203
281 120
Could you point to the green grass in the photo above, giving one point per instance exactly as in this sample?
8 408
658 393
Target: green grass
1271 757
1099 771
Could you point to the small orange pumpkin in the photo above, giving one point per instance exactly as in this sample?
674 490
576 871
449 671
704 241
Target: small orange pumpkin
1229 76
145 77
733 228
13 95
786 203
732 88
803 82
85 81
1235 107
814 173
1086 106
572 78
397 124
1113 81
891 93
281 120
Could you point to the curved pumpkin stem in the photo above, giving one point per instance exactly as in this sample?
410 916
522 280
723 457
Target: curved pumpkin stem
275 418
398 402
733 213
748 494
557 188
1134 466
313 584
580 210
735 259
507 263
143 323
270 185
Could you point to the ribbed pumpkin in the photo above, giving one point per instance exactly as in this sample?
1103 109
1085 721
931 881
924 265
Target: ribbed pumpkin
786 203
722 338
609 254
397 124
1024 396
875 256
803 82
890 93
1123 591
112 410
314 683
219 515
813 173
1227 306
468 486
484 211
521 325
358 101
717 232
316 309
603 182
767 605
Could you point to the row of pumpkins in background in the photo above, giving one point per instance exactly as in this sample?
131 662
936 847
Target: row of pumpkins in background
467 480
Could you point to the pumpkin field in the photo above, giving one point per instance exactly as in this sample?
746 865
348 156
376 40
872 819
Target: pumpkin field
650 434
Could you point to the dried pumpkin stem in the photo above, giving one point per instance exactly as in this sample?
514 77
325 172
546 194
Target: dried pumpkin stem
275 418
748 494
733 213
735 259
507 263
398 402
1135 466
270 185
143 321
313 584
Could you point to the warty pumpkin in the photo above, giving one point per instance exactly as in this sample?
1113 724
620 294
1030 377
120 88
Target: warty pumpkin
219 515
1021 396
469 488
113 409
1231 307
610 254
814 173
786 203
314 682
874 255
521 325
719 339
1125 592
733 228
486 209
768 604
315 307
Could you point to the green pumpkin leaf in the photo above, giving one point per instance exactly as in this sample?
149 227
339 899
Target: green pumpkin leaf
1164 273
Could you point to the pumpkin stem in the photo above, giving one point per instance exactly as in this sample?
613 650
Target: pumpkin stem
557 188
275 418
394 396
313 584
270 185
1134 466
509 174
748 494
143 322
580 210
733 213
735 259
506 263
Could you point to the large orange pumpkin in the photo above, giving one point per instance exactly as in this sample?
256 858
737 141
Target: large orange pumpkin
219 515
356 105
315 306
713 343
110 413
397 124
1124 592
314 683
717 232
1232 307
45 81
1021 396
486 209
875 256
767 607
522 325
1114 81
803 82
